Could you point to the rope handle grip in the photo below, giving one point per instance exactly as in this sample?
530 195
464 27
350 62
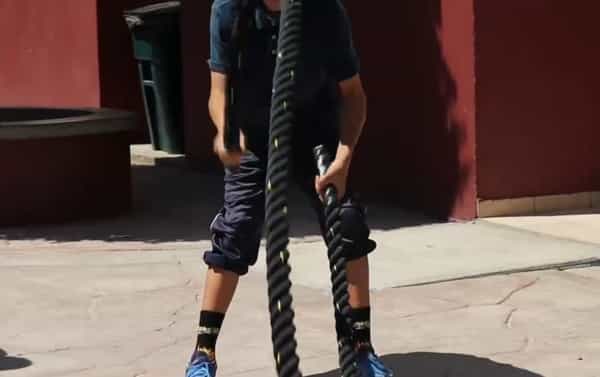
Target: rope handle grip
323 160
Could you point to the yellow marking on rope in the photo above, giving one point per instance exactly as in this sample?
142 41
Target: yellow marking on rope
285 105
276 143
292 74
269 185
285 210
280 55
334 268
278 358
279 305
337 307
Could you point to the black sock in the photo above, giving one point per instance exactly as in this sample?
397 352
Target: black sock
341 327
208 331
361 328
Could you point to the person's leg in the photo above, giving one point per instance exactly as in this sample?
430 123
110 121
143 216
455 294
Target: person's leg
356 243
219 288
357 246
236 233
357 273
358 282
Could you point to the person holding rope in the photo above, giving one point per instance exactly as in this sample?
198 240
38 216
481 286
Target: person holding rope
331 111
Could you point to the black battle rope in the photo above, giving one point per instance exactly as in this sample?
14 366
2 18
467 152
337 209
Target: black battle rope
337 267
277 224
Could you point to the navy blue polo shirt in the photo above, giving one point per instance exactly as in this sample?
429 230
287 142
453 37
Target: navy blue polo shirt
328 57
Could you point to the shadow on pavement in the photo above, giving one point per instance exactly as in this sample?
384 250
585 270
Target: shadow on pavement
173 203
427 364
11 363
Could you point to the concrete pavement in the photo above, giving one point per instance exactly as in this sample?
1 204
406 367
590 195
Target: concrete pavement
582 226
119 297
106 313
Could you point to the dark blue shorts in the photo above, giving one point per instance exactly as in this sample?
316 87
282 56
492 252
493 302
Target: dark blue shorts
237 228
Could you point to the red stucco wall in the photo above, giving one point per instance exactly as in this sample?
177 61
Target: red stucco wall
48 53
538 74
418 68
537 81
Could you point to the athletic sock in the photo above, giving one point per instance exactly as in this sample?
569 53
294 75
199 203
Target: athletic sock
361 328
208 332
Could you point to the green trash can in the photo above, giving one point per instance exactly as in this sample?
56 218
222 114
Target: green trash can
156 44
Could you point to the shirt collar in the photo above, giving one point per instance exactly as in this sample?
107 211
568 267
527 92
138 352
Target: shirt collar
265 19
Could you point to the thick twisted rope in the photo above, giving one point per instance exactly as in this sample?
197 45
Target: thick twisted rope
283 329
337 267
277 225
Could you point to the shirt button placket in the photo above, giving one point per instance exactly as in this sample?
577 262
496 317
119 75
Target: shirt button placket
274 38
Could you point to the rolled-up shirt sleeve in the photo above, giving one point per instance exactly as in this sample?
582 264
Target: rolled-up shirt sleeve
343 62
220 35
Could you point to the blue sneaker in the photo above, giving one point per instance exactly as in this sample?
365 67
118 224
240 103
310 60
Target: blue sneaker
201 366
370 365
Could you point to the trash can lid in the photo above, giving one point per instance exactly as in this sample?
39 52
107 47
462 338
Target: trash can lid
154 9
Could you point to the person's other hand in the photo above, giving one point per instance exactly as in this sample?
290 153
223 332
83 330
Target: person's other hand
229 158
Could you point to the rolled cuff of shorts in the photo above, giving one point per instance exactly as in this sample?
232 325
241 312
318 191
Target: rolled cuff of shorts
216 259
216 67
356 251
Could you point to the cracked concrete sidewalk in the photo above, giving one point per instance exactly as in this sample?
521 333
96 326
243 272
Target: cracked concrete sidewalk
119 297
